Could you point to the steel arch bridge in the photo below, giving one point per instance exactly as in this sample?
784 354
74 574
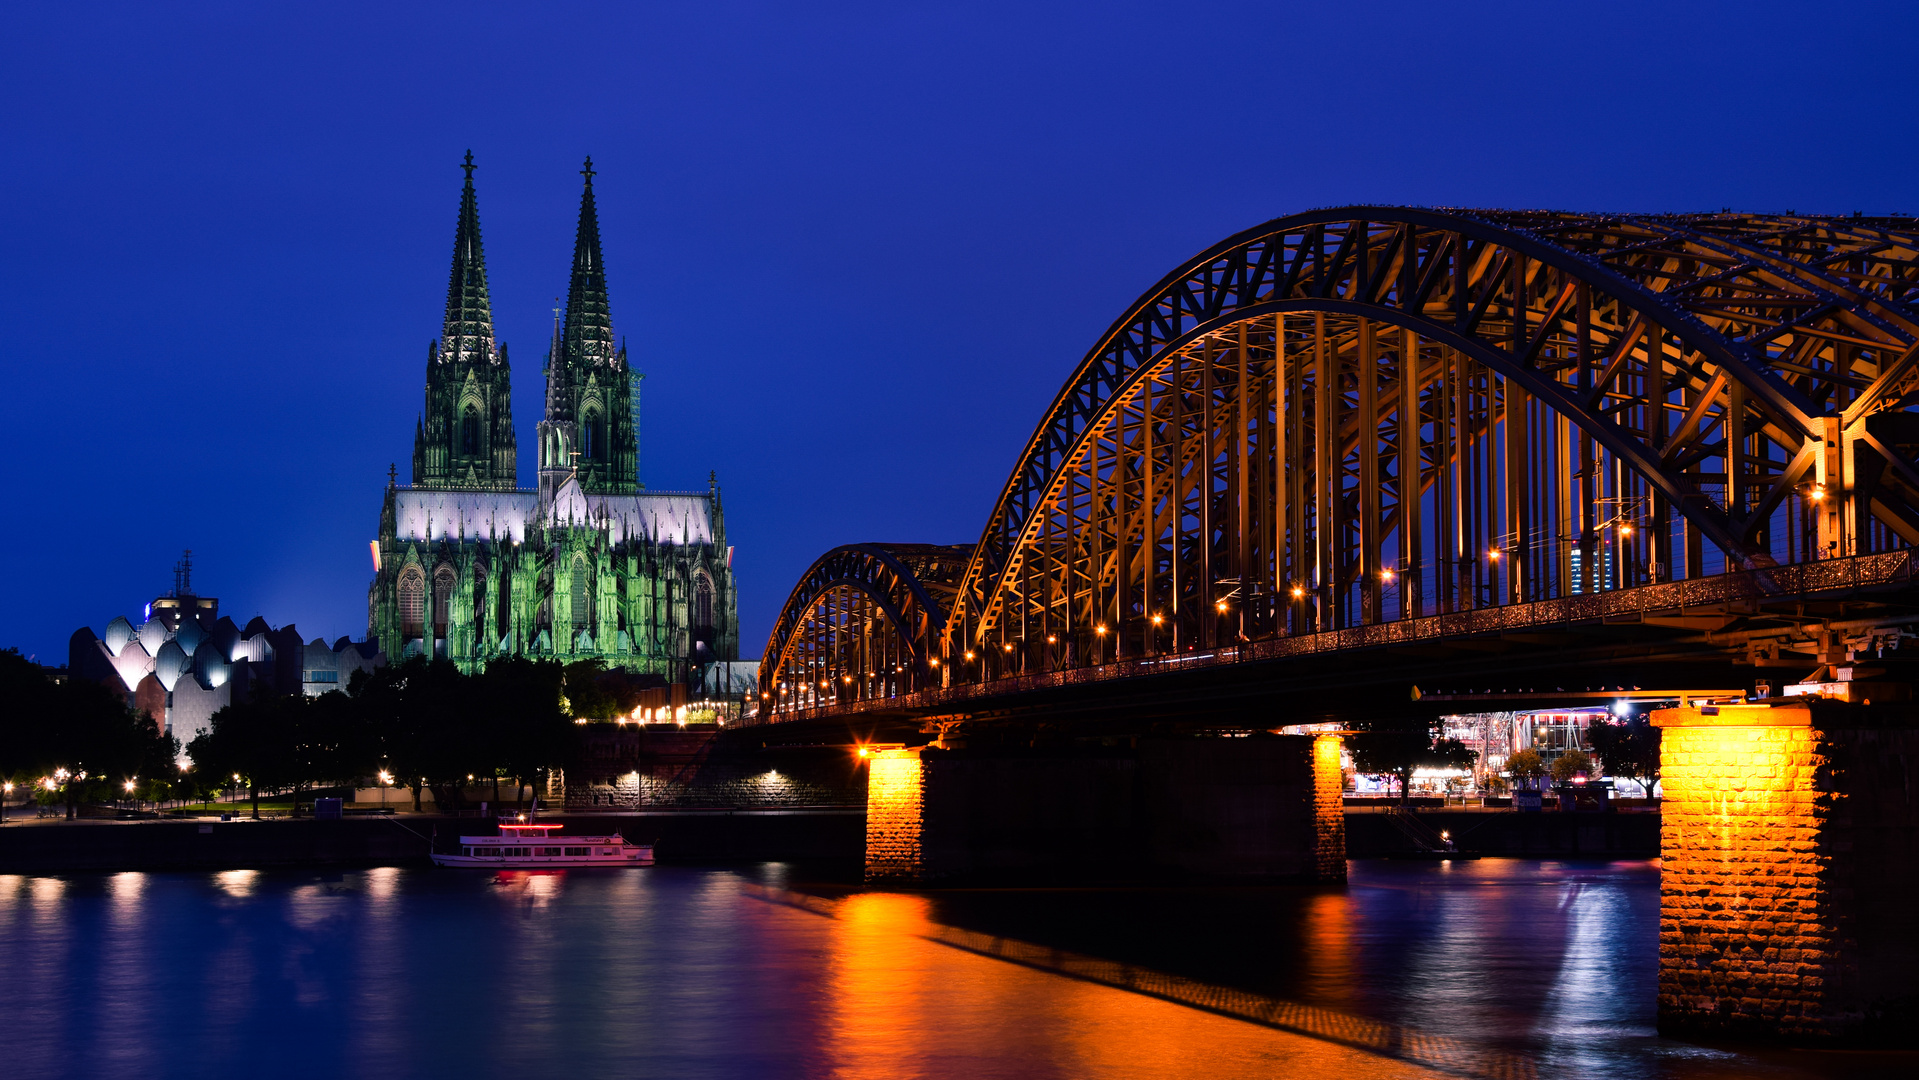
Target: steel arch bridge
863 622
1364 415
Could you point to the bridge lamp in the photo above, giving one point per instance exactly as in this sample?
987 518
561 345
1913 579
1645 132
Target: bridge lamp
1221 606
1493 554
969 654
1386 574
935 661
1625 529
1100 630
846 678
1050 639
1817 494
1157 620
1008 646
1298 592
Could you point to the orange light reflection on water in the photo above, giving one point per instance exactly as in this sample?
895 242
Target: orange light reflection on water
900 1005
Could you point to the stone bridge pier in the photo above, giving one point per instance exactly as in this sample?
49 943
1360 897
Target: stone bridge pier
1789 886
1263 807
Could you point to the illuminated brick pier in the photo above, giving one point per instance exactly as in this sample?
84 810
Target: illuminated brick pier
1787 852
1243 809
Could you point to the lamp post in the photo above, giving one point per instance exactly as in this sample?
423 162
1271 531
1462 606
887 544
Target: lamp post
6 794
386 780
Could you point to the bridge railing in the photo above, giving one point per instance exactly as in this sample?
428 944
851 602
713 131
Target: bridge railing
1882 570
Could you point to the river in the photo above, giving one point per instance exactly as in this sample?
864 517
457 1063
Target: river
1498 968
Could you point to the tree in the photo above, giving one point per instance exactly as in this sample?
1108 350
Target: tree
1628 748
589 693
1526 767
1570 764
1399 746
247 741
80 735
530 729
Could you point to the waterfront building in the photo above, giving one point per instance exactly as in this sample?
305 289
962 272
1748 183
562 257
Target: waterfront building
586 565
183 661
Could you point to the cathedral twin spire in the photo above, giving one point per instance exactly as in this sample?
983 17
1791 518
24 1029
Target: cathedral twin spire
465 438
468 333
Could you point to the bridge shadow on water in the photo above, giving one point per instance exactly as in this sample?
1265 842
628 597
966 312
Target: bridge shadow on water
1491 968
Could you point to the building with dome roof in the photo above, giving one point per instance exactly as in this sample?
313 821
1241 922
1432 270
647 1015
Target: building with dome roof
183 661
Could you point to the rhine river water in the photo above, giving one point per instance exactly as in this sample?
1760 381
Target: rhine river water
1496 968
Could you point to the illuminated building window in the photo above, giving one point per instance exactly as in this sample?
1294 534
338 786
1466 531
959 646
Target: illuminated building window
442 598
582 597
412 602
593 431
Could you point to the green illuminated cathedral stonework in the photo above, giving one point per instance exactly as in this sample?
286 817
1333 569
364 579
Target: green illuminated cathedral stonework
587 565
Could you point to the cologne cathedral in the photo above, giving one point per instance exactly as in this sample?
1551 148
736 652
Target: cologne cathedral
588 565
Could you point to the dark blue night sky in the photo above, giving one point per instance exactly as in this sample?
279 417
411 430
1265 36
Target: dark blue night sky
855 249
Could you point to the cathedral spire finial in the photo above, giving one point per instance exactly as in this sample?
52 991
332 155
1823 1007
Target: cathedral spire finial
588 337
589 391
468 333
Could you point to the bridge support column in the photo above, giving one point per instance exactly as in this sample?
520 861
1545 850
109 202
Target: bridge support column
1329 810
1788 846
1266 808
895 816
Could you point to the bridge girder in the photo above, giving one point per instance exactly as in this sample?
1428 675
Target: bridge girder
1576 375
862 612
1369 415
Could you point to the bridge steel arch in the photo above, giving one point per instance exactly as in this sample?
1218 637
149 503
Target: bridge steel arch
1355 415
864 621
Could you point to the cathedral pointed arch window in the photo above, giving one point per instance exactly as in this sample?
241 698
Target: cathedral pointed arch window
442 599
593 432
479 600
702 602
582 596
470 432
412 602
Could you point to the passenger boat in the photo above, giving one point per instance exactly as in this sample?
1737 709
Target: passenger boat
524 845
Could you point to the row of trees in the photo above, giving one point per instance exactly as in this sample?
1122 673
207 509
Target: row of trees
421 723
74 741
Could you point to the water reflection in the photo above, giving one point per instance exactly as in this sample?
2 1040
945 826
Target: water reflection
1495 968
237 883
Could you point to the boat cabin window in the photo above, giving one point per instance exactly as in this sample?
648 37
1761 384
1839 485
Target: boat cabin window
466 851
579 851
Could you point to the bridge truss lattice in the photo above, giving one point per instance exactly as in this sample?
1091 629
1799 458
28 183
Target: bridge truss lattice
1361 415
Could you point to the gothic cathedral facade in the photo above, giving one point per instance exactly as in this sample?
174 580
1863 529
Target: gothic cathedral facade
587 565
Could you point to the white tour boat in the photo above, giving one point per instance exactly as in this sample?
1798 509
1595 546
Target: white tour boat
524 845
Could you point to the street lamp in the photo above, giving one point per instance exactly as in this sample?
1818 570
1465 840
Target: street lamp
7 789
386 780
